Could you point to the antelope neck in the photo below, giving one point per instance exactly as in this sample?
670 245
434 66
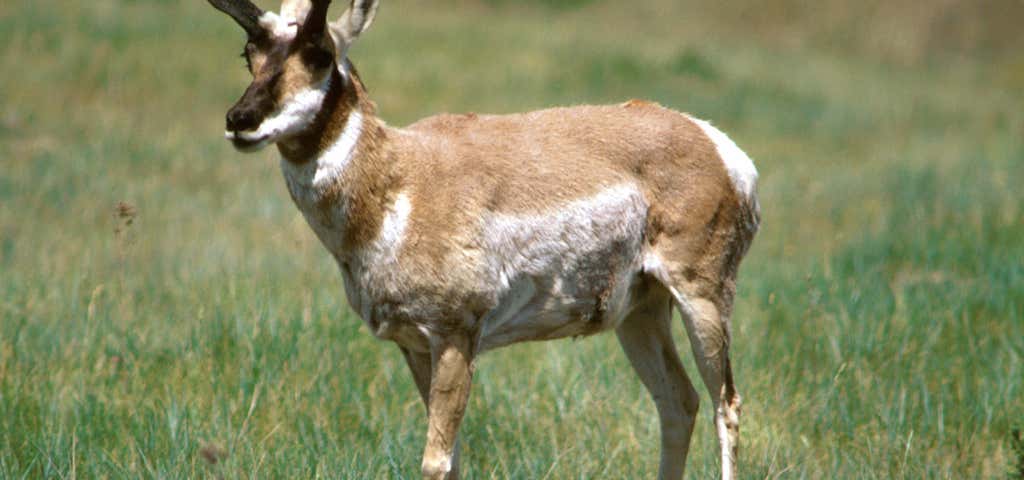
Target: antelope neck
336 171
340 103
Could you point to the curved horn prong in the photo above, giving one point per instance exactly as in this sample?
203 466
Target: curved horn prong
244 12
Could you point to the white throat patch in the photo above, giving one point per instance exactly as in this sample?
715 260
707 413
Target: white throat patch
333 161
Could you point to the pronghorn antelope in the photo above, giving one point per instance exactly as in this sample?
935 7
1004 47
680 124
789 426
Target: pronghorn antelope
463 233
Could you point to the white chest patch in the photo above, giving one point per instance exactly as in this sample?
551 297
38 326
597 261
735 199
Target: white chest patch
741 169
377 263
392 230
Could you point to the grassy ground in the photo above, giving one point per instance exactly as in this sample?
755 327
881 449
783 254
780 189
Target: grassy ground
199 329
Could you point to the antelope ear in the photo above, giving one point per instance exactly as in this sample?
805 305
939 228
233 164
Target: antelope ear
352 23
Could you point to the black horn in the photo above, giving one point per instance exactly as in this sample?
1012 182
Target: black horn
316 20
244 12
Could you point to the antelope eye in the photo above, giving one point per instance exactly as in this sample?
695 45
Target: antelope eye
317 57
247 53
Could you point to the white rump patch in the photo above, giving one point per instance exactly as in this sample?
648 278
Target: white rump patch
378 262
741 169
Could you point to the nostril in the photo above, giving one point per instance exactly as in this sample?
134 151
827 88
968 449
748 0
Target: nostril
232 119
239 119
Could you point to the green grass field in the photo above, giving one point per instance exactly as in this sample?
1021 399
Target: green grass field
200 329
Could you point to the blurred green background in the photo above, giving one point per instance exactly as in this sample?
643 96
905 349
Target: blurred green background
166 313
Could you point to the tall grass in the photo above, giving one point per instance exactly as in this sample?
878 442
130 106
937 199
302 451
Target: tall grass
199 329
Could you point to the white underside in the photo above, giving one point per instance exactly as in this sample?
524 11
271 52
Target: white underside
564 272
741 169
551 274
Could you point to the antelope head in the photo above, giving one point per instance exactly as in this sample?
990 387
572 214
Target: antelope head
293 57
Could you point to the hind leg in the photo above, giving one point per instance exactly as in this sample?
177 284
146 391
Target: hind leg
709 337
707 326
646 337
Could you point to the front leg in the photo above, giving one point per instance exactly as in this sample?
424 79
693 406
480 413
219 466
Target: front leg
452 371
420 365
